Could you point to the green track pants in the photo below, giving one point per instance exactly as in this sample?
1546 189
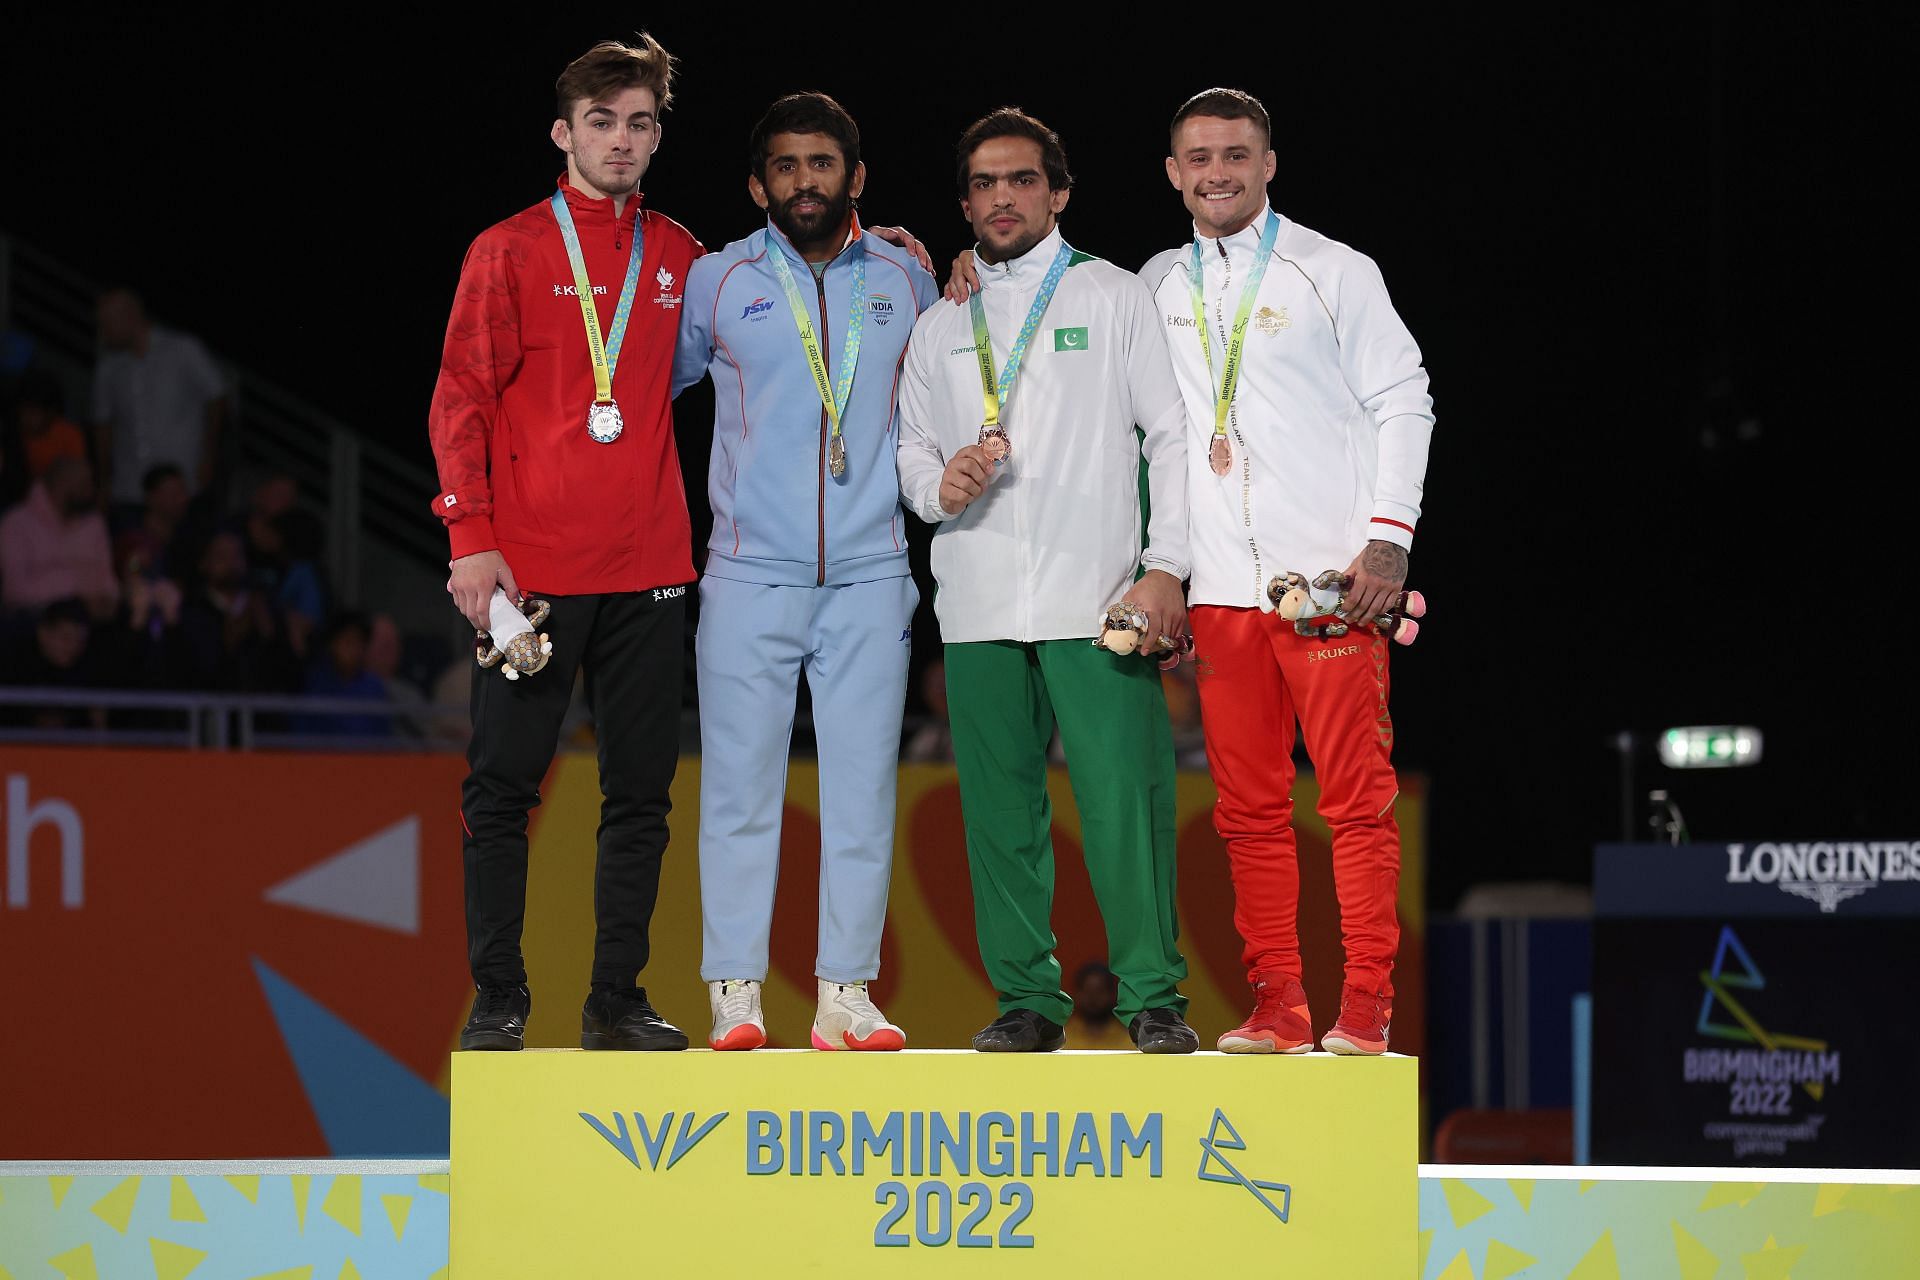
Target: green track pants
1004 699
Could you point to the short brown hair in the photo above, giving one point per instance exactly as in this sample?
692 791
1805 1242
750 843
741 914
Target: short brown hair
611 66
1224 104
1012 122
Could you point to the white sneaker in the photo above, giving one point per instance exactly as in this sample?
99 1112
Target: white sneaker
737 1022
847 1019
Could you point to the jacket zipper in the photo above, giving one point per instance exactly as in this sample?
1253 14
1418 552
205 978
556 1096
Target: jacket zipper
820 576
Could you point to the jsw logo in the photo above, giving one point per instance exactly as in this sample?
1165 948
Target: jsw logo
757 306
652 1141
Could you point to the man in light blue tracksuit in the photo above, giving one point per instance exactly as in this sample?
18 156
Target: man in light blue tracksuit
803 326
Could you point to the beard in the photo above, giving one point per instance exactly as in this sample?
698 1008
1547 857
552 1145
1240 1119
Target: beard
1024 238
802 230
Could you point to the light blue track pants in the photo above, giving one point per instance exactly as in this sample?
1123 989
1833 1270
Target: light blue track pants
754 641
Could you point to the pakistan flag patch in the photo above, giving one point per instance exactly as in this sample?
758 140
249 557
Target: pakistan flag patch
1070 339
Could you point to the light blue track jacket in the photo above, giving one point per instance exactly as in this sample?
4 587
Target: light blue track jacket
780 517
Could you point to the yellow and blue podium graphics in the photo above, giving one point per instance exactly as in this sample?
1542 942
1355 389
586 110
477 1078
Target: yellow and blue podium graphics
1481 1222
862 1164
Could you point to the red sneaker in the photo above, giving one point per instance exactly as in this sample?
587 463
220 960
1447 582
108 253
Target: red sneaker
1279 1022
1362 1025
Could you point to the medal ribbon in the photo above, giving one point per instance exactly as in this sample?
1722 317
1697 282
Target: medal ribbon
606 356
1236 341
833 396
994 391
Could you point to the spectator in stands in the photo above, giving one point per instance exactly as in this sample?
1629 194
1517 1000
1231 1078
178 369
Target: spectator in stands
151 549
157 397
41 433
234 635
451 725
301 586
342 673
59 656
157 651
384 647
1096 994
260 526
54 544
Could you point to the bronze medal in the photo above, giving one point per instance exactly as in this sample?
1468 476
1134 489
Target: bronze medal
994 443
1221 455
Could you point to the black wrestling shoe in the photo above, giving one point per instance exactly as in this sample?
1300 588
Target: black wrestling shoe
1162 1031
1020 1031
498 1020
624 1020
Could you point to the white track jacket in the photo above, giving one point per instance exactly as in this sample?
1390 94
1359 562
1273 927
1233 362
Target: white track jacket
1330 423
1055 539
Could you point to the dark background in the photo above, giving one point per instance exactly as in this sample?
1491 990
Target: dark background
1640 259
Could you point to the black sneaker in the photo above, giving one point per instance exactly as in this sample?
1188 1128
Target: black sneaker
1162 1031
624 1020
1020 1031
498 1020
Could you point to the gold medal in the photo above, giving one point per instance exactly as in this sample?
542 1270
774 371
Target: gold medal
994 443
1221 456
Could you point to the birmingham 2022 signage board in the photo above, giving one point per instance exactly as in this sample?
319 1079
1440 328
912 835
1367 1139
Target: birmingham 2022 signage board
1741 1011
579 1164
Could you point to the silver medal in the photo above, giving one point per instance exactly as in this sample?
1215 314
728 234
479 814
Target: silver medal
603 422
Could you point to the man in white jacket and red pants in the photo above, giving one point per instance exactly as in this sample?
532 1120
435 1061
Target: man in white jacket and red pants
1309 422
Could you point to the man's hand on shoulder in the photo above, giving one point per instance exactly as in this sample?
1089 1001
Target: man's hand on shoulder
472 582
963 281
1378 572
905 239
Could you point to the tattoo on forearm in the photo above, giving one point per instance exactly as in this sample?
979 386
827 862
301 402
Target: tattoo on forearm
1386 560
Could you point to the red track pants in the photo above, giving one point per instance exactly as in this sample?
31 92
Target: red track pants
1255 678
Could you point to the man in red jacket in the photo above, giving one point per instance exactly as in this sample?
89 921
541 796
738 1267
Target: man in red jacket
554 438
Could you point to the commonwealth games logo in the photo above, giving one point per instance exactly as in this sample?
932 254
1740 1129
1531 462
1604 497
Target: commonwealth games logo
1213 1144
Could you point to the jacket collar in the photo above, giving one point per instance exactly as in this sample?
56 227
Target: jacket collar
588 211
1027 270
1247 239
777 242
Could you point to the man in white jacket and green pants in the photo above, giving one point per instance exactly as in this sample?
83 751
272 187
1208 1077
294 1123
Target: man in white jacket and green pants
1019 441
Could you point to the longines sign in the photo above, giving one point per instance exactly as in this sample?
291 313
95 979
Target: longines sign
1753 880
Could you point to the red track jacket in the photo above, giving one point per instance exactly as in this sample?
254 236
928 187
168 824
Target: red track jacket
518 472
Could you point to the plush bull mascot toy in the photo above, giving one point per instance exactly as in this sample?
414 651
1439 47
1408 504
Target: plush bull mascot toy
1319 608
514 643
1123 630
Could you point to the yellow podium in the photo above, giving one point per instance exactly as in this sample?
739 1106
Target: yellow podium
612 1164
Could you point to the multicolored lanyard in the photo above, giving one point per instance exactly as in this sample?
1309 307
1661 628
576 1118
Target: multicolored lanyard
606 356
833 395
994 391
1222 452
